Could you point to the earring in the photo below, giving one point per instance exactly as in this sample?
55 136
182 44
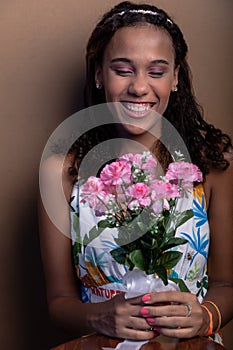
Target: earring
98 85
175 89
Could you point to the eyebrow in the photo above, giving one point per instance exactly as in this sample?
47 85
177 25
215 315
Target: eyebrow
127 60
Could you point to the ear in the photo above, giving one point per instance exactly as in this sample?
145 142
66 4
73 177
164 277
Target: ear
176 78
98 74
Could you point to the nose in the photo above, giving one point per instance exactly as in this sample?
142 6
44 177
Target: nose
138 86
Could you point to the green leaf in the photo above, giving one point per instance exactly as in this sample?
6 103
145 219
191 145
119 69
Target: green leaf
181 284
76 224
170 232
103 224
138 259
124 235
76 249
76 228
169 259
173 242
161 272
146 245
93 233
205 283
142 227
155 246
119 254
183 217
129 263
77 246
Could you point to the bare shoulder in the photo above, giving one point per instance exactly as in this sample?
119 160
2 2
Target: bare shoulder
56 164
56 170
55 189
219 183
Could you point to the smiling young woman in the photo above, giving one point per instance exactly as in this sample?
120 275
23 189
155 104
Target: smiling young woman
136 58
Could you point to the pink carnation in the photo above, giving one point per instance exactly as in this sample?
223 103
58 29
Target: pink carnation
129 157
108 201
161 192
137 160
150 165
171 190
119 193
139 194
187 172
138 190
158 189
93 185
159 205
91 190
116 173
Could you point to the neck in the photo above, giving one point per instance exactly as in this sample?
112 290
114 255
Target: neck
131 143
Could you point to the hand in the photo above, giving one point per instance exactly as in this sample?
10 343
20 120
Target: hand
175 314
120 318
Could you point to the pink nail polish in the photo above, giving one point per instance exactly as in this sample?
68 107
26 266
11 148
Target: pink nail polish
150 320
156 328
144 311
146 297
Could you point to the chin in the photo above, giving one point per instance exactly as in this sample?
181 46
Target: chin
134 130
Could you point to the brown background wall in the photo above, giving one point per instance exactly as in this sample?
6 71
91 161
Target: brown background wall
41 65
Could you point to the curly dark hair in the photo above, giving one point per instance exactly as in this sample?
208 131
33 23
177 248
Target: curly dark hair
205 143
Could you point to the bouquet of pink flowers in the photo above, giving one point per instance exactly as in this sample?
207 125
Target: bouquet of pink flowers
143 208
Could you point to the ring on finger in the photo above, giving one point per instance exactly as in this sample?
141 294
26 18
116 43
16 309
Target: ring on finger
189 307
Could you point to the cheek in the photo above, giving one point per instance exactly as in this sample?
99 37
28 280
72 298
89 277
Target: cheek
165 94
110 92
113 88
166 88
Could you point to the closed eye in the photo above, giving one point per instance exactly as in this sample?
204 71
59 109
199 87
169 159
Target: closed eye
156 74
123 73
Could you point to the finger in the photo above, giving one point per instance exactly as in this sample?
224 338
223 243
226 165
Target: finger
136 300
138 323
137 334
171 296
126 307
132 310
177 327
170 322
182 310
177 332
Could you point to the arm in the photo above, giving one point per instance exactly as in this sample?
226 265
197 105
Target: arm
62 289
118 317
220 213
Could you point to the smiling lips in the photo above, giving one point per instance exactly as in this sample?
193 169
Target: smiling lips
138 108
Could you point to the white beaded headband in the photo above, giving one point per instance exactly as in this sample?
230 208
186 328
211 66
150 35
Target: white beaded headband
144 12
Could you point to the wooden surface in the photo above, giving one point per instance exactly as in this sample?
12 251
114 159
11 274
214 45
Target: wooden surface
96 342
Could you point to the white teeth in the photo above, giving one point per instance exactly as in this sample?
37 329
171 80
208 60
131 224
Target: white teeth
138 107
